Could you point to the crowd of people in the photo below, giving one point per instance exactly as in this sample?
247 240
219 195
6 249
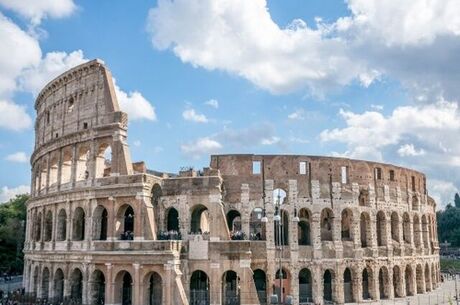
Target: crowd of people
169 235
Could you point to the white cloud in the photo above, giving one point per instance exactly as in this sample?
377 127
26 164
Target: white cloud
212 103
408 150
34 78
18 51
442 191
202 146
36 10
7 193
137 143
240 37
19 157
193 116
14 117
135 105
297 115
270 141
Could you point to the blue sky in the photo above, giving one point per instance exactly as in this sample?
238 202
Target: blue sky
361 79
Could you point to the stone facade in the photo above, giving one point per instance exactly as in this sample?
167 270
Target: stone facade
104 230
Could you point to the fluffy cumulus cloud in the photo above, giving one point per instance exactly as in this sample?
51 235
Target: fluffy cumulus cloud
7 193
431 129
240 37
14 117
442 191
19 50
416 42
202 146
193 116
135 105
35 10
410 150
19 157
35 77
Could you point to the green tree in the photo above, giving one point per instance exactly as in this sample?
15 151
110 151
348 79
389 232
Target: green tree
12 229
457 200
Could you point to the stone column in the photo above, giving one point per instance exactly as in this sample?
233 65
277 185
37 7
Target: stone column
337 234
73 172
85 290
390 285
169 282
374 289
48 166
357 280
294 284
109 285
316 234
59 170
373 240
215 283
338 286
137 299
245 209
317 285
111 219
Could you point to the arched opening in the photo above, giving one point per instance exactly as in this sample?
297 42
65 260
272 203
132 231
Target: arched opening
347 225
38 227
172 221
234 220
53 177
43 174
230 288
154 293
76 286
100 223
365 284
348 286
425 231
406 228
260 280
305 286
200 220
417 230
409 279
104 161
48 232
199 288
78 224
397 281
303 228
97 288
427 278
125 222
82 166
383 283
365 230
127 289
381 229
256 225
45 287
66 165
415 203
326 224
327 286
58 286
419 279
284 227
363 198
61 231
395 226
282 284
35 281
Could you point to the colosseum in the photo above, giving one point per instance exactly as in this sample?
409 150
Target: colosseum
247 230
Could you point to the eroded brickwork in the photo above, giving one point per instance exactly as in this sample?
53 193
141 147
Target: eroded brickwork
102 230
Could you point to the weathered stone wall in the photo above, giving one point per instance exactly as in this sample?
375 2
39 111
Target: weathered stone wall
96 223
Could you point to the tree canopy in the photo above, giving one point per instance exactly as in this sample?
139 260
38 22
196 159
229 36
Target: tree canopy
12 229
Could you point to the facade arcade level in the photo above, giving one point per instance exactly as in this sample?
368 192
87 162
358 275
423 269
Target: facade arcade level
104 230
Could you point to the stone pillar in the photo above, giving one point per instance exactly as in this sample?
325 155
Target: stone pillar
215 283
390 285
85 290
373 240
316 234
245 209
374 289
337 234
109 285
69 224
73 172
169 282
137 299
338 292
48 166
317 289
59 170
357 279
294 284
402 282
111 218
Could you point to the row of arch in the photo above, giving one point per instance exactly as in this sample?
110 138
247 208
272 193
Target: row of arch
356 284
57 230
57 167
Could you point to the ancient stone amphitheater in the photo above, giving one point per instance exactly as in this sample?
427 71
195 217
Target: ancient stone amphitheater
104 230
